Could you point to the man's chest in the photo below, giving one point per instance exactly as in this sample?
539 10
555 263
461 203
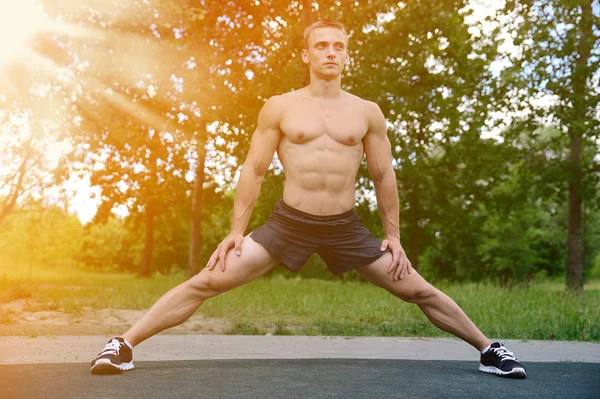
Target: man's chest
306 121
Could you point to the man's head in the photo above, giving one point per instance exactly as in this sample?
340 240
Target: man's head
325 47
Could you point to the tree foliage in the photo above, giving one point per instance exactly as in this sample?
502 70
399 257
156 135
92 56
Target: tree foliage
494 150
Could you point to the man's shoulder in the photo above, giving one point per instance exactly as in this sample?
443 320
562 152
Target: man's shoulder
274 100
272 107
367 105
279 102
371 110
371 106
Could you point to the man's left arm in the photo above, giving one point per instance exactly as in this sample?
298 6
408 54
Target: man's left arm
379 162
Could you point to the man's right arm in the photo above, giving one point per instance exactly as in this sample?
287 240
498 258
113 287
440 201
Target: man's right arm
262 147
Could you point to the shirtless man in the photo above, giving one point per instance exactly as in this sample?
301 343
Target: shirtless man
320 133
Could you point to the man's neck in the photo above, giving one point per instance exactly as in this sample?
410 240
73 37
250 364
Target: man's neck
326 89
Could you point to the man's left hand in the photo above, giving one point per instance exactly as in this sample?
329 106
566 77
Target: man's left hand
400 262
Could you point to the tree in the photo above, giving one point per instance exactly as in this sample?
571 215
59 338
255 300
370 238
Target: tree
556 44
433 86
130 121
102 243
27 133
26 173
41 234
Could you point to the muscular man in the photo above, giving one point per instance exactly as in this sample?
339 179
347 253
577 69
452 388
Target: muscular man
320 133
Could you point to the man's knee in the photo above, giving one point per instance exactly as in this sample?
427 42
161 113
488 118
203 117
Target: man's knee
419 294
205 285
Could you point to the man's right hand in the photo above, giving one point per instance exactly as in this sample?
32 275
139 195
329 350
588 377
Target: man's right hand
232 240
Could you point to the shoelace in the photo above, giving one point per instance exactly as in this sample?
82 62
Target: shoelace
504 353
113 347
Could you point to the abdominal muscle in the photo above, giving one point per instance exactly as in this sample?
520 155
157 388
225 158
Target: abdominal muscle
320 175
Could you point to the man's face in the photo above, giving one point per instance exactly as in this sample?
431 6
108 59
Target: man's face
326 54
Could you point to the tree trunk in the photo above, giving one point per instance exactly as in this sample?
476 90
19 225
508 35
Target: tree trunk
197 203
574 245
412 217
308 17
415 204
146 266
415 248
576 131
7 207
14 193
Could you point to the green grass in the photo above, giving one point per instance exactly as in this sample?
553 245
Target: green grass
316 307
281 329
244 328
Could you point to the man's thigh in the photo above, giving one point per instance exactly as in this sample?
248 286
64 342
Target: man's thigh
407 288
253 262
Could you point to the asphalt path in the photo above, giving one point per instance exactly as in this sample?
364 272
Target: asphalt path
299 378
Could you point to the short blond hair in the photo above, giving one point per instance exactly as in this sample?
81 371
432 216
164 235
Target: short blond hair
323 23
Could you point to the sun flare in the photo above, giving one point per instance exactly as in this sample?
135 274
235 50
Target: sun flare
19 23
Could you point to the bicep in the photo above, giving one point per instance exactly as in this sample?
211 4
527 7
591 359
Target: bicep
264 139
378 149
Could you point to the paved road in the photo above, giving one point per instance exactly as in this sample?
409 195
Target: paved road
73 349
299 378
265 367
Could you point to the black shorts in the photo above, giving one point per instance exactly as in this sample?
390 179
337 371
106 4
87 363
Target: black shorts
341 240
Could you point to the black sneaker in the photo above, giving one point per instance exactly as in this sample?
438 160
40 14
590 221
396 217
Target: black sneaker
115 357
500 361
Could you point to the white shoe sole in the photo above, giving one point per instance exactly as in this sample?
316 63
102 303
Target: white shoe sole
517 372
104 366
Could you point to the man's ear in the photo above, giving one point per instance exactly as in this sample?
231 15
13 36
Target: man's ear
304 55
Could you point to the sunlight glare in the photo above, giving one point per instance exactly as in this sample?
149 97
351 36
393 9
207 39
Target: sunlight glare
19 22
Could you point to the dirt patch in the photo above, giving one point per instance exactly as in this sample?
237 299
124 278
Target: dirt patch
16 319
26 317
